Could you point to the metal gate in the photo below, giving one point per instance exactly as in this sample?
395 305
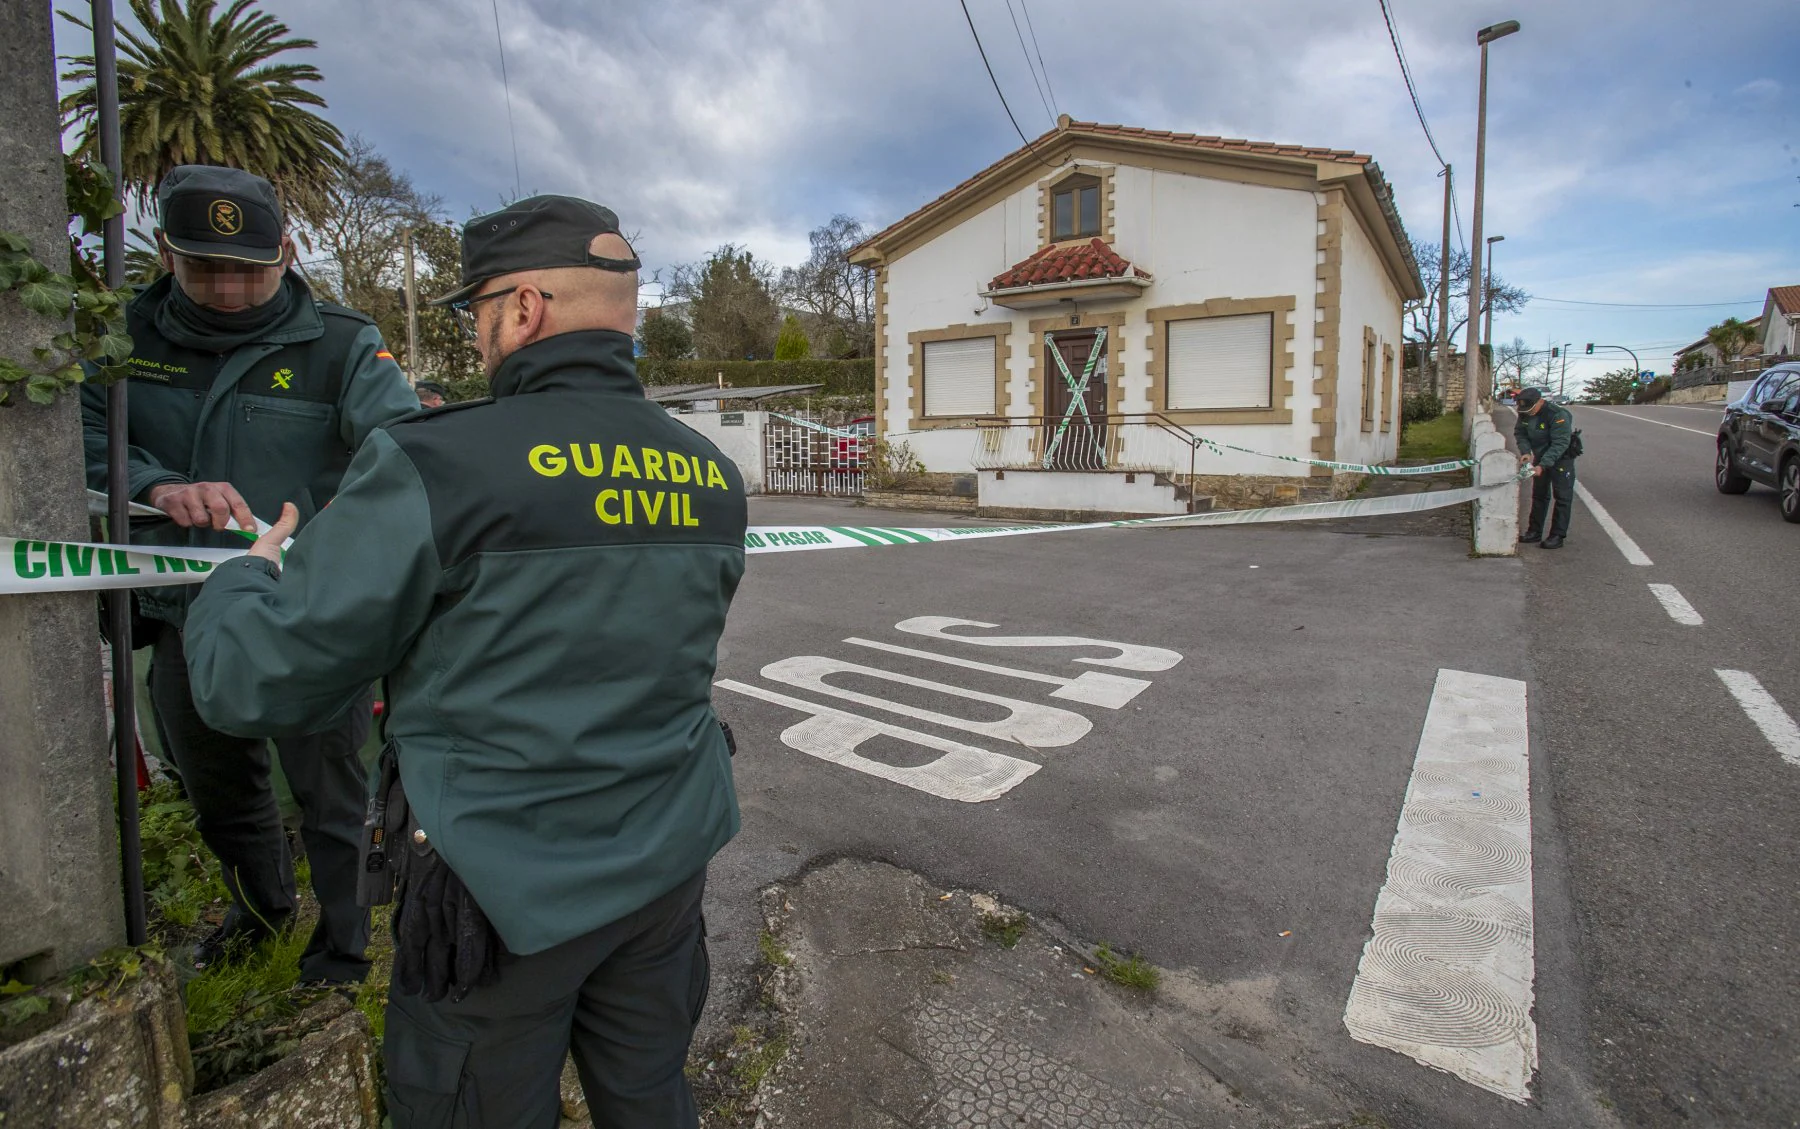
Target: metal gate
803 456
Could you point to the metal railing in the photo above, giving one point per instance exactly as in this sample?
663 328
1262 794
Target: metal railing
1141 443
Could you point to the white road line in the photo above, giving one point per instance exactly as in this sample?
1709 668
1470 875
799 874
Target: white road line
1447 978
1623 540
1657 422
1766 712
1717 411
1676 605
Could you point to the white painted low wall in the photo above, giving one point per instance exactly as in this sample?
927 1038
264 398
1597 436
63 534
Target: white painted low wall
742 443
1497 511
1098 491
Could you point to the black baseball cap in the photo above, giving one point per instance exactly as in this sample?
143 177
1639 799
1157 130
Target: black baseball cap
1529 397
209 212
538 233
431 386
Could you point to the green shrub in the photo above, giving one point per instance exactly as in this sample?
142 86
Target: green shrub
1420 407
792 344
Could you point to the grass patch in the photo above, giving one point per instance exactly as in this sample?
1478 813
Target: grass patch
1439 438
756 1057
181 877
1131 971
1004 929
772 952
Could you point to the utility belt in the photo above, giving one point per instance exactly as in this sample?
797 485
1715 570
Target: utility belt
444 944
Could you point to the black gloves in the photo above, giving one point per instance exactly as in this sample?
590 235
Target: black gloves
443 943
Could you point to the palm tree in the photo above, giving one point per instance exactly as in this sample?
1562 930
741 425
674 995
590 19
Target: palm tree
200 89
1732 338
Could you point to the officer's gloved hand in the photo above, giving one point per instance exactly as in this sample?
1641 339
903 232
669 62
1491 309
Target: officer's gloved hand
443 943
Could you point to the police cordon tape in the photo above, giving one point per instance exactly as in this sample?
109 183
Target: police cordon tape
28 566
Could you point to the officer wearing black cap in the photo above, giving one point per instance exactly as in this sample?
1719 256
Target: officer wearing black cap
542 578
431 394
245 393
1547 441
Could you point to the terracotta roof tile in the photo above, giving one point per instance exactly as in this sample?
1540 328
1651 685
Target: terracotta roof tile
1787 298
1075 129
1066 262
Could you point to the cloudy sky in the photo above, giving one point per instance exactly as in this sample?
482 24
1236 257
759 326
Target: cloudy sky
1640 154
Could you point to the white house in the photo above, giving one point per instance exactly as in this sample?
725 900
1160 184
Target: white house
1781 322
1065 319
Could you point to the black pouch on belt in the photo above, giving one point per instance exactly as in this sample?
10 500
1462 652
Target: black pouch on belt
383 827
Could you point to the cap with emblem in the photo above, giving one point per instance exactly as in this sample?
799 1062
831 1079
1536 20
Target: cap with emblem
208 212
1529 397
538 233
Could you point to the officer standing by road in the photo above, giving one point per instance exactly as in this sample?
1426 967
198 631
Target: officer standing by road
246 393
1545 433
542 578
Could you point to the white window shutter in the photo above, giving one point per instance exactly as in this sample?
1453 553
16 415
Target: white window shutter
1221 362
959 377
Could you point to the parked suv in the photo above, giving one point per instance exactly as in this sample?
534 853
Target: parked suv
1759 440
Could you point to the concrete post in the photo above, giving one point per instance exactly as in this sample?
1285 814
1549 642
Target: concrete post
59 859
1497 511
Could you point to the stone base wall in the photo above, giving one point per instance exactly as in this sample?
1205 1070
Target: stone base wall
945 484
918 500
1254 491
1698 395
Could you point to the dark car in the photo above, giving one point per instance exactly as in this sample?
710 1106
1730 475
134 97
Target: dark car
1759 440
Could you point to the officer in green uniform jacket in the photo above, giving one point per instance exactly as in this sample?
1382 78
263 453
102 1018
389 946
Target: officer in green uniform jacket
542 578
246 392
1544 432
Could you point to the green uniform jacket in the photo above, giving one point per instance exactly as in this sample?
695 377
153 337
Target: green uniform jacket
1545 434
542 578
278 418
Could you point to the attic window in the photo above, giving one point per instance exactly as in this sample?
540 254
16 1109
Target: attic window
1075 208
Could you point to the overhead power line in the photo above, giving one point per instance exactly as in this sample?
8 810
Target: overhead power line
1020 35
996 82
1040 58
1387 15
518 189
1646 305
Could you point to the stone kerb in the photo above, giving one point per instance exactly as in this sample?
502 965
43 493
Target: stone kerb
1496 524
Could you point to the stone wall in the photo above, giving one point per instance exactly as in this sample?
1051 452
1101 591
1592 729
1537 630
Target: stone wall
1254 491
1699 394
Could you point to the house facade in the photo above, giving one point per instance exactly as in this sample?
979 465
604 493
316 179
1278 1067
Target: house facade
1781 322
1064 322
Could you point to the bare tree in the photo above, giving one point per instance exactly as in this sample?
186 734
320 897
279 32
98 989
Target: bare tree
838 295
1421 316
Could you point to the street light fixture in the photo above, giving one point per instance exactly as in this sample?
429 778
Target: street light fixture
1487 287
1472 354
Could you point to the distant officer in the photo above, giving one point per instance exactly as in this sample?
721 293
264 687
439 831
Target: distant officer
542 578
431 393
246 392
1545 432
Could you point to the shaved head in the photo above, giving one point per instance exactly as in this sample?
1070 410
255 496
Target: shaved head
558 300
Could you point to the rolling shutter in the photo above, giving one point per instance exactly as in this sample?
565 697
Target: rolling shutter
959 377
1220 362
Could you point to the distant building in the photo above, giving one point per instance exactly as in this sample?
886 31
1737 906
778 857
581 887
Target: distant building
1781 322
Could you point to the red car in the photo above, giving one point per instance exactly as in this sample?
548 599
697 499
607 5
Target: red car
848 452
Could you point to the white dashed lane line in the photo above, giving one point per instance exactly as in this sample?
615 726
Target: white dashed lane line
1765 712
1676 605
1657 422
1623 540
1447 976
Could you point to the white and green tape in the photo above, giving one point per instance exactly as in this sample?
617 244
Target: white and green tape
28 566
1358 468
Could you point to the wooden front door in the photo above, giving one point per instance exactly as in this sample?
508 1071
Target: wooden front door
1082 431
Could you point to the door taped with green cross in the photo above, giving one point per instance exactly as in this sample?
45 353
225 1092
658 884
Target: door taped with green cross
1075 418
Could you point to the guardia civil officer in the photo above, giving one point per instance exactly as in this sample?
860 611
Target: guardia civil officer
1545 432
542 578
247 392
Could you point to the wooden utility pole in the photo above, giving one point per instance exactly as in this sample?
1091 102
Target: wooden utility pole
1443 334
412 314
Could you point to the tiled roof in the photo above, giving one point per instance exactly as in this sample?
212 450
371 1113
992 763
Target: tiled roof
1066 262
1787 298
1074 130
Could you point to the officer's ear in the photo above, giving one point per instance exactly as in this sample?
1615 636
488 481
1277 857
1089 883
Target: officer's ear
534 313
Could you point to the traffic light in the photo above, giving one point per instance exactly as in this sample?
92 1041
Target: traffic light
1590 347
1555 353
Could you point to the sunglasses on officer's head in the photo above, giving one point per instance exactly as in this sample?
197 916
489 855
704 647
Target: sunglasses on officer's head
464 311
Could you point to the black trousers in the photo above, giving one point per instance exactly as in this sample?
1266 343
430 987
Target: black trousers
1558 480
227 781
624 998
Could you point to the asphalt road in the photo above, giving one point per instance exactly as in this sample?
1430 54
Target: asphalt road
1680 820
1251 790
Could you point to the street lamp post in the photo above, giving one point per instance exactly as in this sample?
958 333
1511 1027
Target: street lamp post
1562 382
1487 292
1472 353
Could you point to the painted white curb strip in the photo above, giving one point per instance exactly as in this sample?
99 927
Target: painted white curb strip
1766 712
1627 546
1676 605
1447 977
